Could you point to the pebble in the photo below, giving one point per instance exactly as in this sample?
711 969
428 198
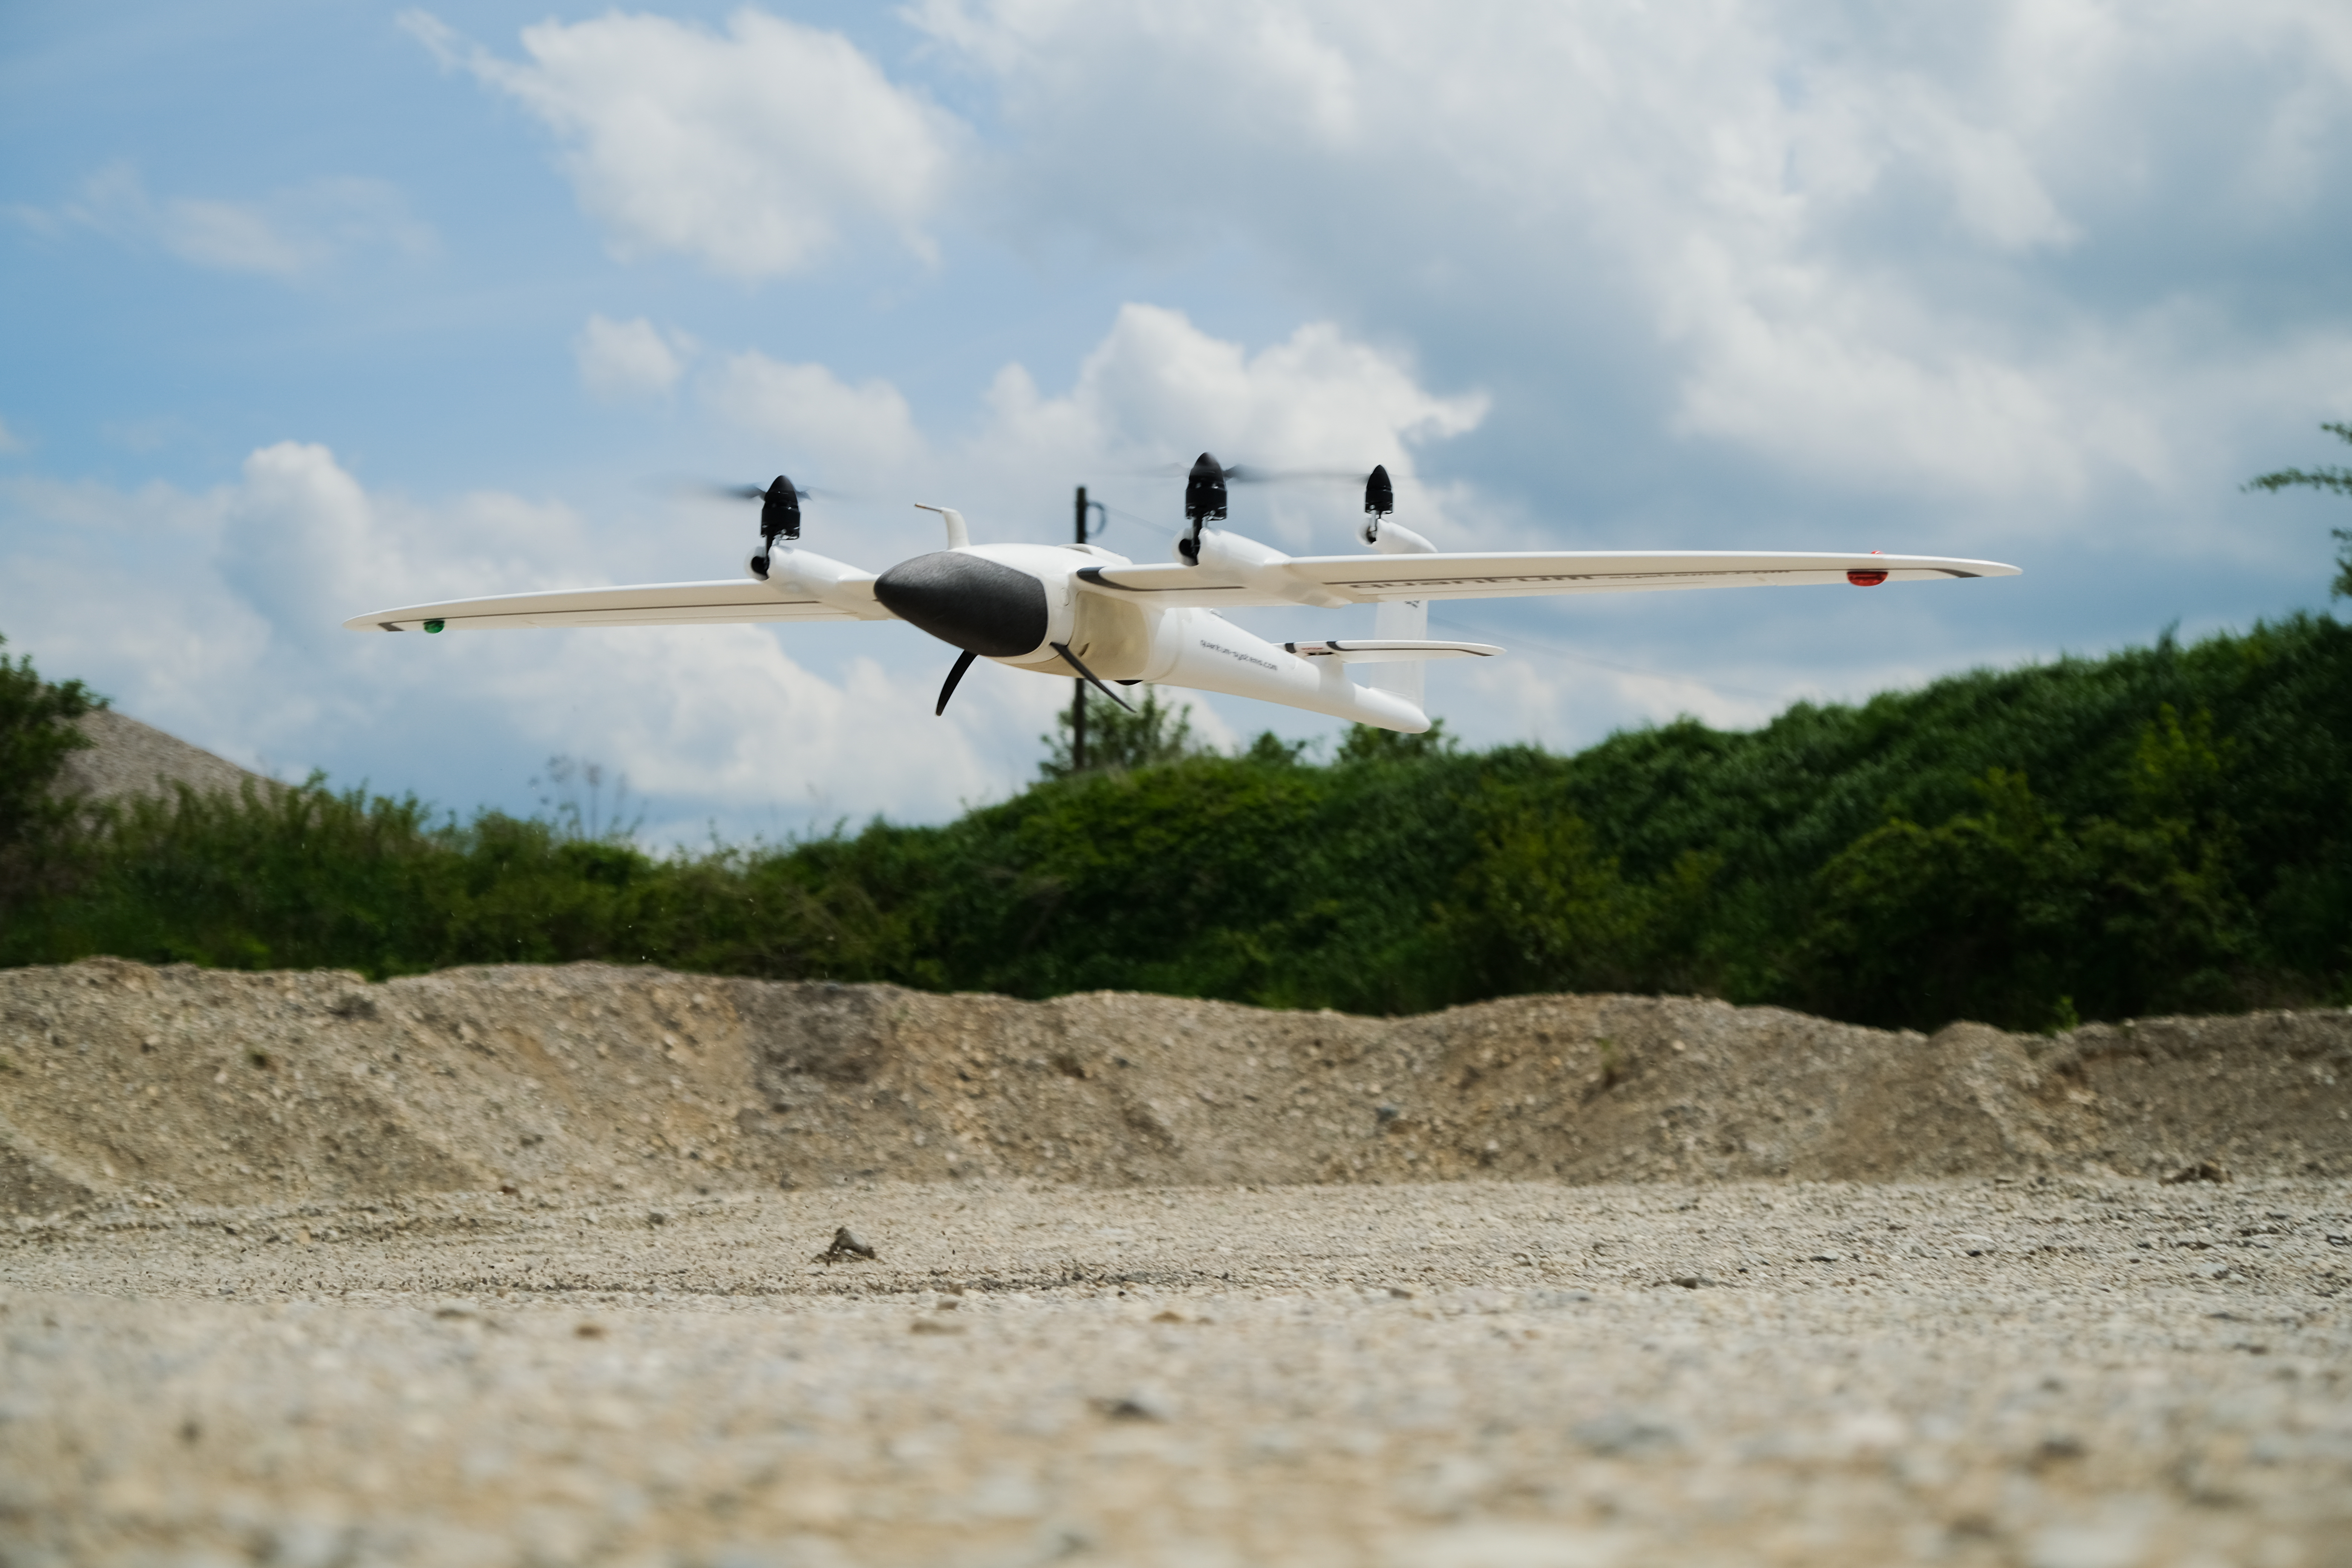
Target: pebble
845 1244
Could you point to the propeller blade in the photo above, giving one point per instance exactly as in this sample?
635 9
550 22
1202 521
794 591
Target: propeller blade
1251 474
1246 474
962 663
1091 678
753 492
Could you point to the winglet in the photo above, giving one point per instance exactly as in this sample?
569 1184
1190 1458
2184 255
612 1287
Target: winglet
959 535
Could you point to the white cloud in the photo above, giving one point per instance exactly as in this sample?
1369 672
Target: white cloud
1825 238
626 359
751 150
1558 701
10 442
867 432
291 233
1784 366
1158 383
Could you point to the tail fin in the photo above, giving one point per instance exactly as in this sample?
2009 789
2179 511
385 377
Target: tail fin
1404 620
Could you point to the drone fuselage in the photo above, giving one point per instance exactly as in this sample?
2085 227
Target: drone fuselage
1022 604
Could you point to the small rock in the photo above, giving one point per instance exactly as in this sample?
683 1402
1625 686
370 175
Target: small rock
1692 1281
934 1326
2056 1450
845 1245
657 1217
1618 1434
1140 1405
2203 1171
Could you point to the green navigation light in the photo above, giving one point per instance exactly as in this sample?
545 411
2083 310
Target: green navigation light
435 625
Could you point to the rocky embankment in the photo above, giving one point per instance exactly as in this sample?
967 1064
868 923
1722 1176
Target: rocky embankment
123 1083
126 758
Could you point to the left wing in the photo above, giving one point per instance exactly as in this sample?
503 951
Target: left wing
1369 579
727 602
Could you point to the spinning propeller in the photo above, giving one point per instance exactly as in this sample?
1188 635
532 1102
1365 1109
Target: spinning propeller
1204 494
779 515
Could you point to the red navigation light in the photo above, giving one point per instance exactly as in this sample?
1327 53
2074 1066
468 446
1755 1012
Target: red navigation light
1865 579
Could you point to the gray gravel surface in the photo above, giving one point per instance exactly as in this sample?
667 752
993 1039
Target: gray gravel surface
2054 1372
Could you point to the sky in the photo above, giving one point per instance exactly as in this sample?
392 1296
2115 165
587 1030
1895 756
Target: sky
320 308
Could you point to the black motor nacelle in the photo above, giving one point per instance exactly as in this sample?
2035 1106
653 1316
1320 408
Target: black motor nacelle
780 518
1380 499
1205 491
780 511
1204 502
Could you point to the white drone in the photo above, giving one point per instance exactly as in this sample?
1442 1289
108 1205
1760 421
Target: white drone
1079 609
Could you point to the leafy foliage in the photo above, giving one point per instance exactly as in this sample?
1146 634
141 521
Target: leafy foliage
1368 743
1150 735
2166 828
36 734
2339 480
576 801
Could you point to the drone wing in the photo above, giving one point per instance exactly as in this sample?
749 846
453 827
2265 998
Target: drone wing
1369 579
728 602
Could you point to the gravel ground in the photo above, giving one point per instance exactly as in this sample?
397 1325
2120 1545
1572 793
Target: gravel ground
2054 1372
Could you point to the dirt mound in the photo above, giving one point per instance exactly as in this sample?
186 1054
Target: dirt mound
122 1082
126 758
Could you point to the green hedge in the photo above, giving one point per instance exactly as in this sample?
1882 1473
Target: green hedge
2165 828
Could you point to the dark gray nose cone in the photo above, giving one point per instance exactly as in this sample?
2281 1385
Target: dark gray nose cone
983 606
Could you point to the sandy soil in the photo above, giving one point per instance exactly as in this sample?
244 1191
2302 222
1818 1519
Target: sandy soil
120 1082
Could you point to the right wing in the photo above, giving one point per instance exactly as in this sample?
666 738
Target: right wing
726 602
1371 579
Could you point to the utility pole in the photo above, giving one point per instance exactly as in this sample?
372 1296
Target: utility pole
1078 693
